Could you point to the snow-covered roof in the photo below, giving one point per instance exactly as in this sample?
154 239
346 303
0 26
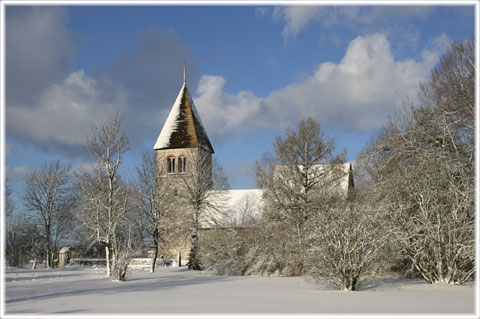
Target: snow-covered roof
335 178
64 250
183 127
239 205
339 179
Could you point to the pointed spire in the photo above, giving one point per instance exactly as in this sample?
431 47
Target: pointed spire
183 127
184 72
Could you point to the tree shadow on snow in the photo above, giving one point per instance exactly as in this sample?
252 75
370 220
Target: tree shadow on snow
38 277
177 279
393 283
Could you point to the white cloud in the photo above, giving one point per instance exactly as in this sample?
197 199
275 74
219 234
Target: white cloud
16 173
355 94
66 111
222 111
296 18
434 46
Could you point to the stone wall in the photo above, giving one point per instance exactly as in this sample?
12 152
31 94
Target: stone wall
177 239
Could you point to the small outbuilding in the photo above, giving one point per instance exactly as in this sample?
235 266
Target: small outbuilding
63 256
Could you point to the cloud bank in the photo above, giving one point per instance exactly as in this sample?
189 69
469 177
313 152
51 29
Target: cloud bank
54 107
354 95
39 50
66 111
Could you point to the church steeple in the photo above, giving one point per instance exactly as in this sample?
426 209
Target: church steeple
183 127
184 73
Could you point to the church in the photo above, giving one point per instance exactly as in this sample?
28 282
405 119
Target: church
184 138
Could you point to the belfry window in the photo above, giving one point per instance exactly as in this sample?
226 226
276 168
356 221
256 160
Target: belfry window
182 164
171 165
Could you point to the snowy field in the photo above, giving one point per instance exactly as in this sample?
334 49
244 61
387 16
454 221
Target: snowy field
86 290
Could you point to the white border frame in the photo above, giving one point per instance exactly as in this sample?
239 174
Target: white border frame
4 3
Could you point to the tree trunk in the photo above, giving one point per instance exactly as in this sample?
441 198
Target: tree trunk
34 266
154 258
114 262
48 262
107 259
47 258
52 259
193 258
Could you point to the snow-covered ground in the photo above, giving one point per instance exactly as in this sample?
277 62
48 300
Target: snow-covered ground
86 290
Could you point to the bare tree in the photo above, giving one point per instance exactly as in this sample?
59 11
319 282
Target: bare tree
16 243
9 203
12 242
305 178
47 194
345 244
423 169
23 241
202 191
154 199
103 196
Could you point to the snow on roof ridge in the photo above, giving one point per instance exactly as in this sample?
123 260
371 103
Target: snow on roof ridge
171 123
176 124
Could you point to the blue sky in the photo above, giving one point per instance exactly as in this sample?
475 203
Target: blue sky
253 71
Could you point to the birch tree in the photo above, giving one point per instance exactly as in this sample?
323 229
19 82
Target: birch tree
47 195
103 196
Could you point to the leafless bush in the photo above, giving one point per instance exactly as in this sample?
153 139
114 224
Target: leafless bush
346 244
124 252
223 250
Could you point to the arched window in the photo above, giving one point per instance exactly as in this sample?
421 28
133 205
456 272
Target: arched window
182 164
171 165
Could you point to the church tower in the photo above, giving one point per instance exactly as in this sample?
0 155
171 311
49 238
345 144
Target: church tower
181 145
182 137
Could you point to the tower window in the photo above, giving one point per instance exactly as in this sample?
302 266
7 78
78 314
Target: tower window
182 164
171 165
